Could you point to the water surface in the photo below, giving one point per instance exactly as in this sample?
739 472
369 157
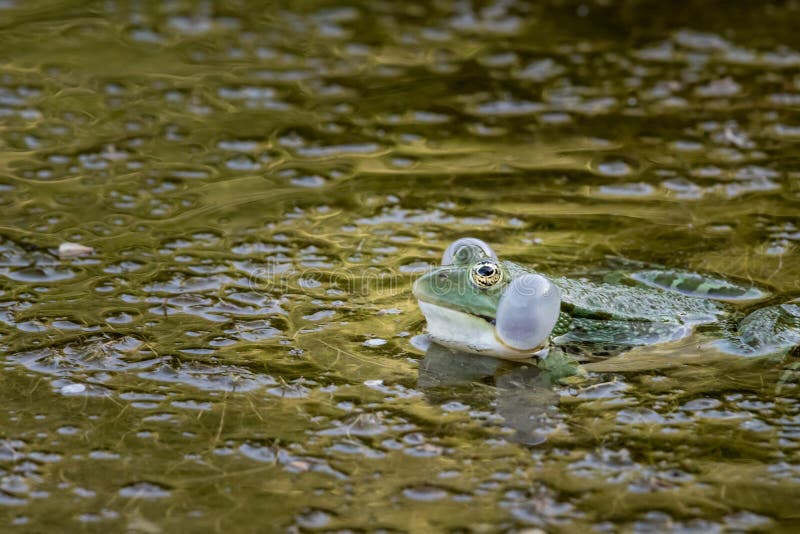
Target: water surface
261 185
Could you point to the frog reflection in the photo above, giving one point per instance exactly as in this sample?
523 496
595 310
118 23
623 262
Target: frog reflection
524 395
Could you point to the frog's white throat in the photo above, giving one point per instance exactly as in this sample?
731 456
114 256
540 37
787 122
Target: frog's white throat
468 333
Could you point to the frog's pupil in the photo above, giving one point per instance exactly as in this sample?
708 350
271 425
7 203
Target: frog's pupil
486 270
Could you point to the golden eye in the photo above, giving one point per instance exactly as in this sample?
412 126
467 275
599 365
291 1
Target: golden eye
486 273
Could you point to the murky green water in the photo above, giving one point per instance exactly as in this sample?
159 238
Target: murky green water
262 184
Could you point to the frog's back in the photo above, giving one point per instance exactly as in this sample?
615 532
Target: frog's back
584 298
624 297
613 313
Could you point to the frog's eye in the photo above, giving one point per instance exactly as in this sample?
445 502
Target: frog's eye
466 250
486 273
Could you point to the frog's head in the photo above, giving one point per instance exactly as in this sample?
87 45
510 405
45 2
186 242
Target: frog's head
477 303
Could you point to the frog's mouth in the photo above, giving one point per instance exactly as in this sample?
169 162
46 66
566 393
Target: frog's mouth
423 297
491 320
466 332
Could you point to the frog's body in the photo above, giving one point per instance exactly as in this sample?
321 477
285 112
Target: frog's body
477 303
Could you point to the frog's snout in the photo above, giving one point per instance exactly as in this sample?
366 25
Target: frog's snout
418 288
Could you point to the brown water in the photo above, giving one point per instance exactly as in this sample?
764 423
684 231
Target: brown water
261 185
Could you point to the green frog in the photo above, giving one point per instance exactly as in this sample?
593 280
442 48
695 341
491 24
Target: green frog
477 303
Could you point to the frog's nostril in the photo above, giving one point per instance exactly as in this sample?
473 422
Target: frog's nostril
442 276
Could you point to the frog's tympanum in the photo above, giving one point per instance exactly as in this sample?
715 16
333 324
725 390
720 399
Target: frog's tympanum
476 303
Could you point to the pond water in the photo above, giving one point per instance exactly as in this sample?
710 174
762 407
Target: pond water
262 184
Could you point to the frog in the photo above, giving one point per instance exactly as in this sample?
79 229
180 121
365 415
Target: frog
475 303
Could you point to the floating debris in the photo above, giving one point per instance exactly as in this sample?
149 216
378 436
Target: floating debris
73 250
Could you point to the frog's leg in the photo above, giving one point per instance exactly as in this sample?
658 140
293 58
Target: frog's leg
590 339
560 366
697 285
790 374
623 333
773 330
